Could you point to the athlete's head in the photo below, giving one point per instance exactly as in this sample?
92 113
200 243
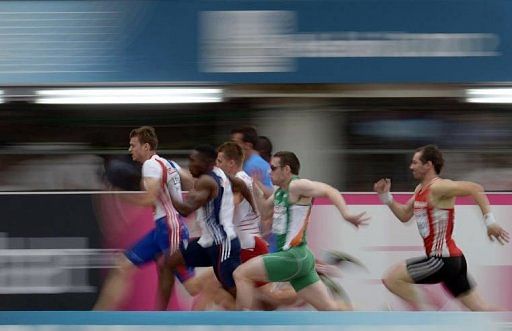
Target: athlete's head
202 160
143 143
284 165
246 137
426 159
264 148
230 157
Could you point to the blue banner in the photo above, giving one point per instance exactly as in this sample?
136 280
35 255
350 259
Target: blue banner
264 41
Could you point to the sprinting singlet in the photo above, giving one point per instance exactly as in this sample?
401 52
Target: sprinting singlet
216 216
435 225
171 184
246 221
290 220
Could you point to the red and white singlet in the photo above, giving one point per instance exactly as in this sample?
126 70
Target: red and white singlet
435 225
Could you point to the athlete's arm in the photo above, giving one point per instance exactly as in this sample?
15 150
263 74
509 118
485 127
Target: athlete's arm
307 188
445 188
403 212
146 197
448 189
239 186
204 190
264 202
187 181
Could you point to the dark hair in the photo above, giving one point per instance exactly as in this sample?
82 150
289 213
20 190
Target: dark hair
264 147
208 152
249 134
146 135
289 159
433 154
232 151
123 173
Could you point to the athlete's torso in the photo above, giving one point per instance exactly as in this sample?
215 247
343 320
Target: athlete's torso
217 214
434 224
246 221
290 220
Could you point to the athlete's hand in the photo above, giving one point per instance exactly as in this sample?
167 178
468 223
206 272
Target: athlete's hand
357 219
495 231
382 186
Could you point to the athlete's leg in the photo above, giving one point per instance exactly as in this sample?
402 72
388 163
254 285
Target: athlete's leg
202 288
208 291
165 284
116 285
318 296
245 276
474 302
399 282
273 295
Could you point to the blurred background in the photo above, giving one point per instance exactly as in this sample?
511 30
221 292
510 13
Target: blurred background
352 87
348 136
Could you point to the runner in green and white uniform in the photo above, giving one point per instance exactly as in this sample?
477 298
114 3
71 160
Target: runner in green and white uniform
290 207
293 262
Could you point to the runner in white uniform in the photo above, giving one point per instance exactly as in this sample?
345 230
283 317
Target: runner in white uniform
161 179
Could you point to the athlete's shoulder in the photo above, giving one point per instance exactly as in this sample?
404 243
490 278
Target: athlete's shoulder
151 160
442 183
205 181
244 176
300 184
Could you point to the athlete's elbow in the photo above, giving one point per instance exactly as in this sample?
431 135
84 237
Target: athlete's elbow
479 188
405 218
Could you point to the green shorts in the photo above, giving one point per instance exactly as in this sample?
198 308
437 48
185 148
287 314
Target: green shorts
296 265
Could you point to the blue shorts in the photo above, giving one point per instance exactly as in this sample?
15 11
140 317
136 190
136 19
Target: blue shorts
271 239
154 244
223 258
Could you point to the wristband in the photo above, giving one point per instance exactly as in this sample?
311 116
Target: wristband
489 219
386 198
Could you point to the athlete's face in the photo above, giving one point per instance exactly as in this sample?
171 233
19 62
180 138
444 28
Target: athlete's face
418 168
138 150
278 173
238 139
197 164
224 163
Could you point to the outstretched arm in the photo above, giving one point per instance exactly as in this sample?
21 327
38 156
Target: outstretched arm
448 189
307 188
205 188
403 212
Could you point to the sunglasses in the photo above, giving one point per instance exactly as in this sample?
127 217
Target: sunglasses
274 167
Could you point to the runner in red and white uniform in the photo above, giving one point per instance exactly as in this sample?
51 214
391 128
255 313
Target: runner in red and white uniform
433 209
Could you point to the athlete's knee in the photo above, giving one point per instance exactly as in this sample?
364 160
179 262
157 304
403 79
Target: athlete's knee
387 281
241 274
392 277
123 266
